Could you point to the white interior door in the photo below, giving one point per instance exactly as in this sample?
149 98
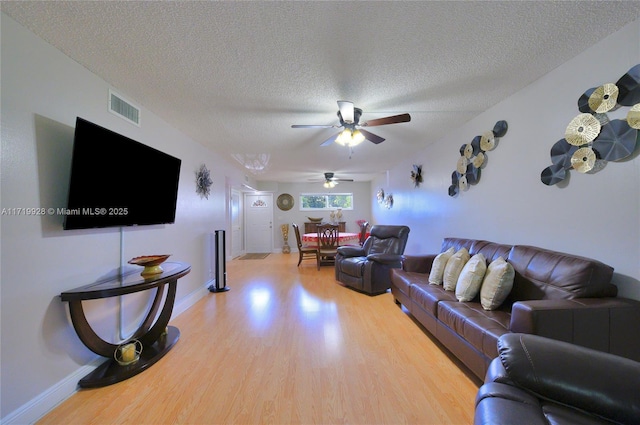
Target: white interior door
258 213
236 224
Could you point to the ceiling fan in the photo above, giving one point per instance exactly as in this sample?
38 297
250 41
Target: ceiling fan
331 181
353 134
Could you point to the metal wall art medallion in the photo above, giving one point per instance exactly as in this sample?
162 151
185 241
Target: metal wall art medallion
473 158
592 139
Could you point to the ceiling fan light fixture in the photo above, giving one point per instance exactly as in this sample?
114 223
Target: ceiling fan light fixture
344 138
356 138
350 138
329 184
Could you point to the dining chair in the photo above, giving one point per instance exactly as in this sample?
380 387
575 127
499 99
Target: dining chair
363 232
328 237
304 251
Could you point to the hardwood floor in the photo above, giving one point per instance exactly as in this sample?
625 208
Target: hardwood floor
287 345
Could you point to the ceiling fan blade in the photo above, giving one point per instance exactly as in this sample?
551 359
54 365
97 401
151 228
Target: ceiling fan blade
395 119
312 126
372 137
346 111
330 140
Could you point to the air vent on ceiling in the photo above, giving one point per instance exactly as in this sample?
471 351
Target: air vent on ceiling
123 108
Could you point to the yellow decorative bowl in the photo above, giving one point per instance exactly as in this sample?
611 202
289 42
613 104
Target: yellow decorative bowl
315 219
151 264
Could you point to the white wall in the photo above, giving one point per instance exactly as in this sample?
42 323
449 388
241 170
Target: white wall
361 207
42 93
594 215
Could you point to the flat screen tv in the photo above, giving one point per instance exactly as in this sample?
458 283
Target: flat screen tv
116 181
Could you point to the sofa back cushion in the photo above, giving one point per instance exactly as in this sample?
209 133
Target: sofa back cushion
490 250
542 274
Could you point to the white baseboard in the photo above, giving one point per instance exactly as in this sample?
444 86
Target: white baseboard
187 302
39 406
36 408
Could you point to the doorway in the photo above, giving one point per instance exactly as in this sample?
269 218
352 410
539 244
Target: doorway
258 210
237 247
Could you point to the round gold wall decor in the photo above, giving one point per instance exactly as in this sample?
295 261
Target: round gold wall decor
633 116
462 183
461 166
478 160
582 129
468 151
285 202
487 141
604 98
583 160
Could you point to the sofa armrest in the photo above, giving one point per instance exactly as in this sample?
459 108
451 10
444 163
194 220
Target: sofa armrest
351 251
418 263
386 259
590 380
498 403
606 324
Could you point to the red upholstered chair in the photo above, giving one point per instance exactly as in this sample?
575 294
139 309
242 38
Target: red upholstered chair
363 232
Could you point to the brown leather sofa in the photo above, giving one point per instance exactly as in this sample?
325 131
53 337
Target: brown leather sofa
366 268
536 380
556 295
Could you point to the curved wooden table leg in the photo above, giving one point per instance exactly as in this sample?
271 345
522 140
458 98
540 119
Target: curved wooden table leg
86 333
153 311
163 320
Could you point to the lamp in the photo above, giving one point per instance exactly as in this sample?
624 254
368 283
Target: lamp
350 137
329 184
356 138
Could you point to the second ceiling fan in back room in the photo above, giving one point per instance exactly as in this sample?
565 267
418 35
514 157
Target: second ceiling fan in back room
353 133
330 180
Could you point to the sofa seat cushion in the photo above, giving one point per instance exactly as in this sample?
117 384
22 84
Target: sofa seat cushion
403 280
428 296
479 327
353 266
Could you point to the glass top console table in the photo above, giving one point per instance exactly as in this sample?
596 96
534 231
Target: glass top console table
156 337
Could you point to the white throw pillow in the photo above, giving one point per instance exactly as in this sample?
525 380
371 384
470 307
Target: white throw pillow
470 278
439 263
497 284
453 268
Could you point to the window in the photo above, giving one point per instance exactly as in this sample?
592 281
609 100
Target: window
326 201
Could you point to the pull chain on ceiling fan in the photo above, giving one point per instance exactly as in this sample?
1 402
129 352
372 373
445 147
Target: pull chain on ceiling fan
353 134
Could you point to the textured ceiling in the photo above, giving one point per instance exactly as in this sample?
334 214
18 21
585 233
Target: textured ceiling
235 75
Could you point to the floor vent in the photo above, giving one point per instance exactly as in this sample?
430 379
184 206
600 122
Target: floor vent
123 108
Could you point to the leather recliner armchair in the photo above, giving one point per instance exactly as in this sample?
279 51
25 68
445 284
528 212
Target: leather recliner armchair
537 380
366 269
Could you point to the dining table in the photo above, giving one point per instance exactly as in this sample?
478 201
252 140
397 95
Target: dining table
344 238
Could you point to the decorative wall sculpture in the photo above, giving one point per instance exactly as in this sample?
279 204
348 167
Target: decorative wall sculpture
473 157
380 196
416 175
203 182
388 201
592 138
